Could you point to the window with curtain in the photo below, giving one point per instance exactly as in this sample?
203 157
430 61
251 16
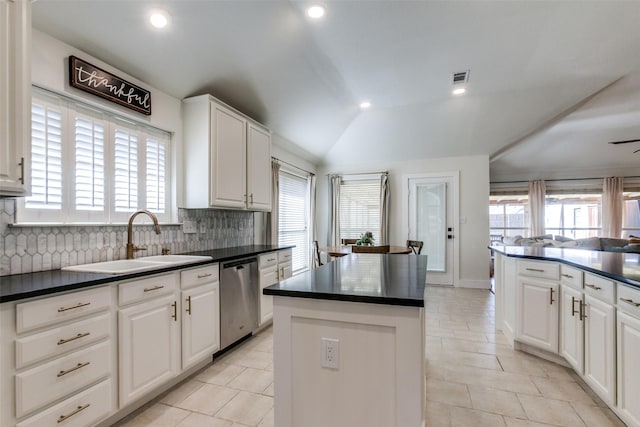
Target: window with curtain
359 208
111 167
508 216
631 214
576 216
293 218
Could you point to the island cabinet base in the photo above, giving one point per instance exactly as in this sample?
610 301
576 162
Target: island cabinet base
379 349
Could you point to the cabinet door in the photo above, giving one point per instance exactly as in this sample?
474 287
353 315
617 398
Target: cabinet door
148 347
538 320
268 276
258 168
509 298
200 323
572 328
228 158
15 105
628 332
599 344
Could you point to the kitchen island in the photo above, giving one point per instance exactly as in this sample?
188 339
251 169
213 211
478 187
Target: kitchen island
349 343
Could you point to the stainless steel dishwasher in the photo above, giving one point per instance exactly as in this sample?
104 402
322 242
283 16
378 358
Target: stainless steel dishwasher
239 298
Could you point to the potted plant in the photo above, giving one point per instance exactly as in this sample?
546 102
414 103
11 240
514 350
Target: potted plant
365 239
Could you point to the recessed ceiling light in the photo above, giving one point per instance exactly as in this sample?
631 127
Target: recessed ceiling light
315 11
459 91
365 104
159 18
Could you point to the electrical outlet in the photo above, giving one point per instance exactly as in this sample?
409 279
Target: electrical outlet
330 353
189 227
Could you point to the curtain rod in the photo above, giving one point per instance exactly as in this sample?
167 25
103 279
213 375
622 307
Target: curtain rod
292 165
556 180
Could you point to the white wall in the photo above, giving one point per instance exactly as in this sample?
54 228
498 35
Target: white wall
50 70
472 237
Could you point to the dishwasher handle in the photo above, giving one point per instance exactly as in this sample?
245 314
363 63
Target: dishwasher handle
240 262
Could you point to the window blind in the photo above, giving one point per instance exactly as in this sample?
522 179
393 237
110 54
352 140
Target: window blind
89 164
360 208
46 158
126 170
155 176
293 204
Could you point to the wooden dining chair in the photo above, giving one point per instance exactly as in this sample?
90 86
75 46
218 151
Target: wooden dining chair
383 249
415 246
317 249
348 241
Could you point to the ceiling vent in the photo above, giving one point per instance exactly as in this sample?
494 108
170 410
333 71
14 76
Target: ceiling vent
461 77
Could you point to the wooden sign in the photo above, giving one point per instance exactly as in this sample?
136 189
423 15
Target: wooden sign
99 82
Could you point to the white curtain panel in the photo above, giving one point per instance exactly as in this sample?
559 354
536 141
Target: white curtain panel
384 209
312 217
334 194
272 227
612 207
537 191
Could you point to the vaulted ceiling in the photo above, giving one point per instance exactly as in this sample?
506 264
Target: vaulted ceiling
534 67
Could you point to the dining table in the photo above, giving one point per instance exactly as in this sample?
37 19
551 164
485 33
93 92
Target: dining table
340 251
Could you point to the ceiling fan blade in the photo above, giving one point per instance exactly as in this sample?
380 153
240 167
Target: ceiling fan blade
624 142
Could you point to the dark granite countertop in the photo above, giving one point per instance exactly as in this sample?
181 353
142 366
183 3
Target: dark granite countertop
369 278
619 266
21 286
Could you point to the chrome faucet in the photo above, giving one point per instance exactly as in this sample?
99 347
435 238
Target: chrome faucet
131 248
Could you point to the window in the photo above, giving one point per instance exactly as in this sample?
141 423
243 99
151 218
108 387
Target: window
573 215
508 216
631 214
359 207
293 220
111 167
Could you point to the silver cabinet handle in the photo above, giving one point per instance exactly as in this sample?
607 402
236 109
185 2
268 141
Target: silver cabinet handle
630 301
75 368
597 288
174 316
189 305
80 335
202 276
551 300
21 164
155 288
80 304
568 276
72 413
537 270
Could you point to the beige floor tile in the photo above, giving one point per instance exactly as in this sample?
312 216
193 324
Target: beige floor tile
437 414
219 373
492 379
267 421
454 324
201 420
517 362
159 415
252 359
465 358
496 401
246 408
517 422
470 336
208 399
449 393
561 390
463 417
594 416
180 392
253 380
550 411
436 331
269 390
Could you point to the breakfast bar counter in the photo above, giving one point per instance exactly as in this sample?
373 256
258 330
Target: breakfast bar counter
349 343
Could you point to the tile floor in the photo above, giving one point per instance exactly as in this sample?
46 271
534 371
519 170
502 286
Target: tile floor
473 379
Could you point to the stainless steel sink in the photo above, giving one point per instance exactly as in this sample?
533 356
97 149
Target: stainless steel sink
123 266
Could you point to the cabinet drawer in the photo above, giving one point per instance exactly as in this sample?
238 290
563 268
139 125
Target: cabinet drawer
285 256
44 384
571 276
199 276
55 342
53 310
629 300
542 270
145 289
599 287
267 260
83 409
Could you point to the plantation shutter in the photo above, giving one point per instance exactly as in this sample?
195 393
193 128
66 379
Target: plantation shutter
89 165
155 176
293 217
126 170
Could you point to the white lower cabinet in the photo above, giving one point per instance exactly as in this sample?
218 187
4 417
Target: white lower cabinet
572 328
200 323
268 274
628 349
148 338
538 317
285 264
599 348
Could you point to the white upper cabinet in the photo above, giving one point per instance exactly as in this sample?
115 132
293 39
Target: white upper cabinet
227 158
15 105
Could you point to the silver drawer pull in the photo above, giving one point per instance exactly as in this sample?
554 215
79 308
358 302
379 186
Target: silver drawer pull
630 301
202 276
80 304
155 288
537 270
75 368
568 276
271 259
80 335
71 414
597 288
